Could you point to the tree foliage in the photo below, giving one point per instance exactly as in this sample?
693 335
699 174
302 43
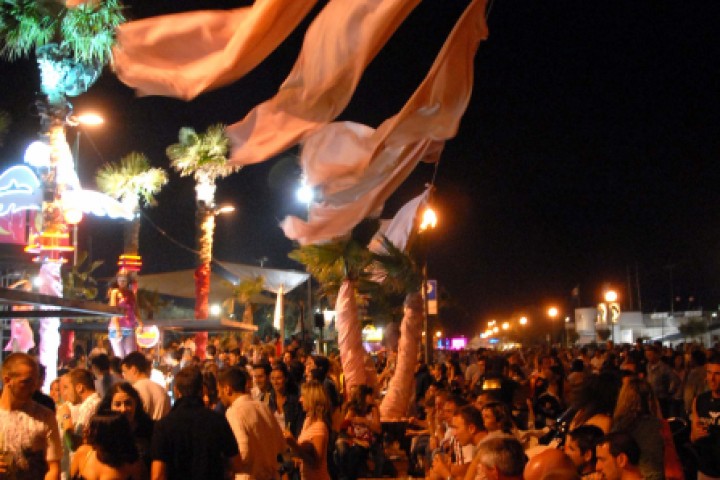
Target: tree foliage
78 282
85 31
203 156
382 279
132 180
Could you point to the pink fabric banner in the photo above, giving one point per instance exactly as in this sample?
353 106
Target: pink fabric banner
395 404
352 353
185 54
378 161
338 46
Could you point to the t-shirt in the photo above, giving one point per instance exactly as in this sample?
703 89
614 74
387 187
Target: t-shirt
708 409
311 430
155 398
31 433
193 442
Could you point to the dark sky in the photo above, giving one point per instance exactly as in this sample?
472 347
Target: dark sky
590 147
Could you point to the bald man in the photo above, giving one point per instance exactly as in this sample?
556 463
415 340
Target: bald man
550 464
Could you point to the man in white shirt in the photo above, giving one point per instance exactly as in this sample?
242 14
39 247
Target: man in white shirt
136 370
258 434
78 388
29 430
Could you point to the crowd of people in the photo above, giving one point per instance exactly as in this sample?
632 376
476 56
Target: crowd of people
607 412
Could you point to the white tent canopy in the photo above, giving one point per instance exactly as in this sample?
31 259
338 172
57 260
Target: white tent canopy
289 279
181 283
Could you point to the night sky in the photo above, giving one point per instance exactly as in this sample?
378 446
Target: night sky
589 150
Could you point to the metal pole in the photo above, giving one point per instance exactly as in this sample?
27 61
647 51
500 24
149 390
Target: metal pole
426 324
75 226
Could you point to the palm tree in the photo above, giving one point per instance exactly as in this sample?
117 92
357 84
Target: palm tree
348 273
133 182
204 156
244 292
71 42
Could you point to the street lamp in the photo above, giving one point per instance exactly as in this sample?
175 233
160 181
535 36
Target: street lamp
87 119
523 320
611 296
428 222
305 194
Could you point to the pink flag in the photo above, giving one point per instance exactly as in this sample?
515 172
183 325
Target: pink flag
338 46
383 158
185 54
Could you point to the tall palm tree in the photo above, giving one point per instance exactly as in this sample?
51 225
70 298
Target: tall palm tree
346 272
204 156
134 183
72 42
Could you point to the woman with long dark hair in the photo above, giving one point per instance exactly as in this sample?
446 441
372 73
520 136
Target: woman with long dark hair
124 399
359 436
109 452
637 413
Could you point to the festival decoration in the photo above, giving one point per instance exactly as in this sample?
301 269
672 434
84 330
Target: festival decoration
397 399
152 54
352 353
386 156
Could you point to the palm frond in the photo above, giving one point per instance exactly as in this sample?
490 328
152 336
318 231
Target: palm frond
78 282
132 179
202 155
87 31
403 274
245 290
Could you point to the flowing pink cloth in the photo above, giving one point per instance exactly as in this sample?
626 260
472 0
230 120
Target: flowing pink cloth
185 54
338 46
352 353
378 161
395 404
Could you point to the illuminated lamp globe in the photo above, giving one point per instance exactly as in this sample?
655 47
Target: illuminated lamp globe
73 216
37 154
523 320
611 296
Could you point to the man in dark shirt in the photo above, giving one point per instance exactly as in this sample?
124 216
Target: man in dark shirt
192 442
705 426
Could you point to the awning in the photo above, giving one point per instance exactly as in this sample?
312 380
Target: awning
185 325
48 306
181 283
273 277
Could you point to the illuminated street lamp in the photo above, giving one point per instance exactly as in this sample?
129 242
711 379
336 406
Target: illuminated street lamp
429 219
506 326
87 119
438 334
553 312
523 320
611 296
428 223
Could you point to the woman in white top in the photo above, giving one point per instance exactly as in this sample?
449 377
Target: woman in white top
311 446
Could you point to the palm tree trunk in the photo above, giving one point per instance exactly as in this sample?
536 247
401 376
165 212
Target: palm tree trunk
206 226
352 353
397 400
131 236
